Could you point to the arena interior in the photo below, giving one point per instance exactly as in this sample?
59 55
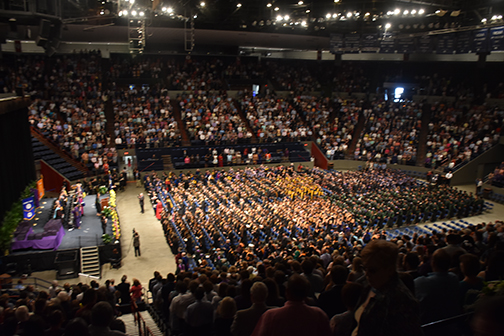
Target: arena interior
183 167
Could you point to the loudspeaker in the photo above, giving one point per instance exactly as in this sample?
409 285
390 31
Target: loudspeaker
41 41
45 28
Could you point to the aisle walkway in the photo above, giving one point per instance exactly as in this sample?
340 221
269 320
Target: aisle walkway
156 254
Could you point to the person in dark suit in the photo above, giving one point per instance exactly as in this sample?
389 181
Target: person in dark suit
98 204
104 223
245 320
330 301
124 289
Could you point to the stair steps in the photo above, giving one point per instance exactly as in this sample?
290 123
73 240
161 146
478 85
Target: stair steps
90 261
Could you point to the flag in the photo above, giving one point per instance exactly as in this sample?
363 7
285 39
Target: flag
28 208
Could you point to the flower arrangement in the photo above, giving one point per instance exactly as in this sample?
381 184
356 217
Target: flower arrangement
107 211
106 239
116 229
493 288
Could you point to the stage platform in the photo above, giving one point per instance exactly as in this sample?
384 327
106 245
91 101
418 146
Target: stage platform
89 234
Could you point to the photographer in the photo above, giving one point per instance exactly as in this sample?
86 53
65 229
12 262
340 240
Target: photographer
136 243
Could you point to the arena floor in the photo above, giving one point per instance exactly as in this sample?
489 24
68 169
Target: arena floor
156 256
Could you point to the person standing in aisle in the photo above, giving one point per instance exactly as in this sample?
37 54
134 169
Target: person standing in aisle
136 243
141 201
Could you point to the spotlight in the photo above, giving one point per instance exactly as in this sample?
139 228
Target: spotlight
268 5
300 3
279 18
238 5
277 9
286 17
421 11
202 4
125 12
336 1
413 12
397 11
328 16
334 16
406 12
484 20
349 15
142 13
303 23
170 10
134 13
388 25
308 11
164 9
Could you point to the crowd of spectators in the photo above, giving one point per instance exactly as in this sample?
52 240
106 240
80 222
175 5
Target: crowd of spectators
319 287
144 117
458 135
335 135
213 120
390 133
275 119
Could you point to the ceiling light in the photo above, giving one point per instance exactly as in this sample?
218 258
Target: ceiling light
142 13
134 13
277 9
125 12
303 23
413 12
388 25
367 14
336 1
483 20
195 16
421 11
349 15
406 12
328 16
120 13
397 11
334 16
308 11
286 17
202 4
279 18
238 5
164 9
300 3
132 2
268 5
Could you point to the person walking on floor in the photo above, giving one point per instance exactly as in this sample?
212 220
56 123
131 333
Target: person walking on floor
136 243
141 201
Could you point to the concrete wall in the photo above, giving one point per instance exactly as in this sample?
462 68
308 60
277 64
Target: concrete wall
477 167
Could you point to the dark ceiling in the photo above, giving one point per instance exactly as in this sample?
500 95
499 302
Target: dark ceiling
317 18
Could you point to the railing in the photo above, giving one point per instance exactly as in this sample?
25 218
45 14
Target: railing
27 281
455 321
143 330
55 147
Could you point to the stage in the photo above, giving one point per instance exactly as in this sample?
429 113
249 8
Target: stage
43 258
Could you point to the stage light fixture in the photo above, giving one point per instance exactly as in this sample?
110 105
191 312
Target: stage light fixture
141 13
328 16
300 3
397 11
406 12
388 25
268 5
202 4
307 11
134 13
421 11
413 12
349 14
279 18
334 16
286 17
277 9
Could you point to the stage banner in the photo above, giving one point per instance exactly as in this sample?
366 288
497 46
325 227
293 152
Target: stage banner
464 43
336 43
406 45
370 43
496 38
480 38
352 43
424 45
28 208
387 43
445 44
40 188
